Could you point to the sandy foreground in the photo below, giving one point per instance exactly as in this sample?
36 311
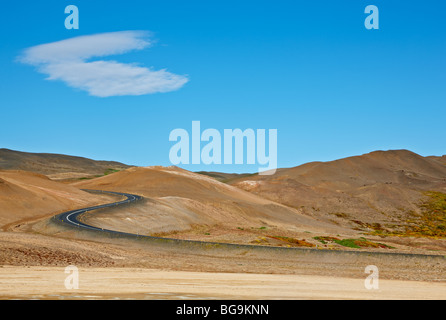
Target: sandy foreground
32 266
130 283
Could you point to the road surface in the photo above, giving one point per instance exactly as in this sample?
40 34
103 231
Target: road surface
71 217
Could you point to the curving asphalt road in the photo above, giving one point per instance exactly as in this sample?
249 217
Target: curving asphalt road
71 217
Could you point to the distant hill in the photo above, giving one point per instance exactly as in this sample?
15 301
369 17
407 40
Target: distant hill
224 177
441 159
57 166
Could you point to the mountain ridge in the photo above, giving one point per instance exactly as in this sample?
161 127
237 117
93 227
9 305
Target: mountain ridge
57 166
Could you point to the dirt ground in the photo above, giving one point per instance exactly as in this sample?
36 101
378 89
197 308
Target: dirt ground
147 284
33 267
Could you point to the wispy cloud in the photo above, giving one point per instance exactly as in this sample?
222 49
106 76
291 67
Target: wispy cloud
69 61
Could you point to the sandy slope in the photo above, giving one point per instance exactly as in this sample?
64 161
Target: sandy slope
179 199
29 196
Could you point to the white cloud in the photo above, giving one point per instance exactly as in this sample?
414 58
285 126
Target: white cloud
67 60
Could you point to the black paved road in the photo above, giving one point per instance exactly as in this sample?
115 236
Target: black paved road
71 217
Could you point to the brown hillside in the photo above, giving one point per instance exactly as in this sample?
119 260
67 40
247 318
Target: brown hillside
180 200
29 196
56 166
375 187
441 159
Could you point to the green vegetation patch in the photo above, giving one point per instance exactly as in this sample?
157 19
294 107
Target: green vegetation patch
353 243
326 240
362 243
110 171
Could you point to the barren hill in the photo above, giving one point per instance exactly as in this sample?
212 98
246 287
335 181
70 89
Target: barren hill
381 186
224 177
179 200
56 166
29 196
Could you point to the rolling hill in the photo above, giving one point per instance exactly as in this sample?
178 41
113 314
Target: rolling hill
57 166
29 196
179 200
378 191
378 187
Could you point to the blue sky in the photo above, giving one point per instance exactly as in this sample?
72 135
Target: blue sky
309 69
